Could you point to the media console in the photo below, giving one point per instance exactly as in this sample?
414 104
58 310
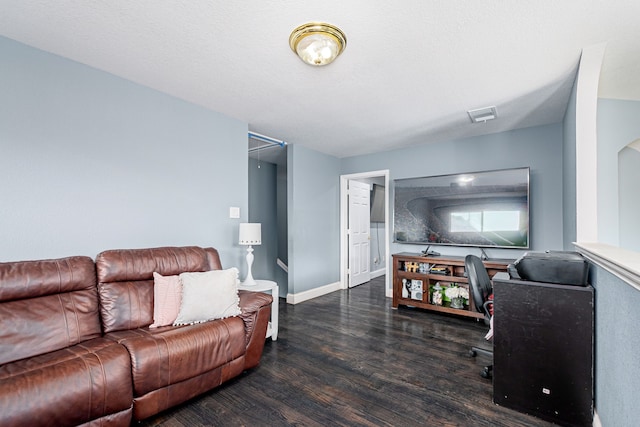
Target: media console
416 277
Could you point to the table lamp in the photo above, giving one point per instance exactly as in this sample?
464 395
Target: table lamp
250 234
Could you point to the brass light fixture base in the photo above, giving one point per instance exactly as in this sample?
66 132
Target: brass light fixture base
317 43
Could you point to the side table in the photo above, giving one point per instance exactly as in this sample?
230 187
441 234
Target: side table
263 286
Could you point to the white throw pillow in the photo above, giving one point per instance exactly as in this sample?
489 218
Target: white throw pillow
208 296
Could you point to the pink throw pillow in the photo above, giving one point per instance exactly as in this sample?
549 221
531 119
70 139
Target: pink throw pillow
167 298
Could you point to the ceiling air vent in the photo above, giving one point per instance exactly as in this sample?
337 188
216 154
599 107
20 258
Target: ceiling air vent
482 115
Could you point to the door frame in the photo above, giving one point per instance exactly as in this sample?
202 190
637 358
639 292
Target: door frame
344 223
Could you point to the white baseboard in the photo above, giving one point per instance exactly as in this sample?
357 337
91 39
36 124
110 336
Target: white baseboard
378 273
313 293
596 419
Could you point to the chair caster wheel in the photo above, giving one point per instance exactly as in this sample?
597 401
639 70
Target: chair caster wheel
487 372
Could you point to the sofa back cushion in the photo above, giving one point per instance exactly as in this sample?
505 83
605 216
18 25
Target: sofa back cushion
46 305
125 280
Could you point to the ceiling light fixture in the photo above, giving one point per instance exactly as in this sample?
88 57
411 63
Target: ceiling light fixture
317 43
482 115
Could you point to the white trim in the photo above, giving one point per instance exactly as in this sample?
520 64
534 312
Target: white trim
313 293
344 222
282 265
622 263
596 419
378 273
587 144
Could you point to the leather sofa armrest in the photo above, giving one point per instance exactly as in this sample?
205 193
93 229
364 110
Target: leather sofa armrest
256 311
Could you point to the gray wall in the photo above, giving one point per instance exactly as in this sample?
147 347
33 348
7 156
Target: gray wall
281 196
617 349
618 125
378 242
539 147
629 198
617 314
282 276
314 219
90 162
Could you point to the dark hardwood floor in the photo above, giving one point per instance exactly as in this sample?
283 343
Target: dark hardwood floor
349 359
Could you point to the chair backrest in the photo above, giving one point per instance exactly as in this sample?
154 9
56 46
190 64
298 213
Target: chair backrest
479 282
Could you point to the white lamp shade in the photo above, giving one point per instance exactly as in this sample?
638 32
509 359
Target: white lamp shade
250 233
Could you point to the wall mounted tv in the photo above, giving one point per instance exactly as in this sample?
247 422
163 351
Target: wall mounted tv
485 209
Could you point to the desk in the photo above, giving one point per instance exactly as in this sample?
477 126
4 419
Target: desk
267 286
543 340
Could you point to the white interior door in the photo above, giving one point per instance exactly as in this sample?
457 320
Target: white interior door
359 233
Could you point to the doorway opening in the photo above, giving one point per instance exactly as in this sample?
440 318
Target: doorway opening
268 206
380 230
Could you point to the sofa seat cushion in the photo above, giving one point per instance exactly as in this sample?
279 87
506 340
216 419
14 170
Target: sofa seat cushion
168 355
71 386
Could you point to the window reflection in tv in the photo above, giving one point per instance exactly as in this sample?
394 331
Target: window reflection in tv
487 209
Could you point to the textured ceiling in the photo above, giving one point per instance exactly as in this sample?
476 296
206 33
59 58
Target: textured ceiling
409 73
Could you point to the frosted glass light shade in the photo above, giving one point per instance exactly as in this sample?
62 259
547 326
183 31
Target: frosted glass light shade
250 233
317 43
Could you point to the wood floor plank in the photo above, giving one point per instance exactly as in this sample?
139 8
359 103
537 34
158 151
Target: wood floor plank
350 359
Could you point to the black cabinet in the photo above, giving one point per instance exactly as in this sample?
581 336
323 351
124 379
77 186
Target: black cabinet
543 350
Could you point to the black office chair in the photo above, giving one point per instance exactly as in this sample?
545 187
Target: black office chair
482 293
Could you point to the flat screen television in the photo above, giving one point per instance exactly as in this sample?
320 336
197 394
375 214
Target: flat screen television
484 209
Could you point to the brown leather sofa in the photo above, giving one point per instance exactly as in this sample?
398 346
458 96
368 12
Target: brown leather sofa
55 366
173 364
75 347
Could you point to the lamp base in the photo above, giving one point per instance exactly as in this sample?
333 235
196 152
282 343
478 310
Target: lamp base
249 281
